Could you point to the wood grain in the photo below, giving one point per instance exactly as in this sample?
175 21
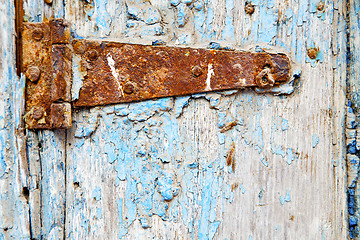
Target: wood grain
157 169
14 175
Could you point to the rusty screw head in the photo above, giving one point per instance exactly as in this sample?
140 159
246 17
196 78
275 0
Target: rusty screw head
33 73
263 79
92 55
37 113
312 52
320 6
37 34
196 71
129 88
79 46
249 8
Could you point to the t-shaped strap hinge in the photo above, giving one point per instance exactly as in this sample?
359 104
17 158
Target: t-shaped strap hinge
82 73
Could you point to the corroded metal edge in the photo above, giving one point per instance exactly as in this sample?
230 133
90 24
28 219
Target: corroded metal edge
118 72
46 62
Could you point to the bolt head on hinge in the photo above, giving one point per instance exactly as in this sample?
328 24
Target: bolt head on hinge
196 71
33 74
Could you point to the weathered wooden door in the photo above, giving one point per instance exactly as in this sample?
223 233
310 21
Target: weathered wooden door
222 165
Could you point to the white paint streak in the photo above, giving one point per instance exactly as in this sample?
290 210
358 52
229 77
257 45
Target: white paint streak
208 79
111 63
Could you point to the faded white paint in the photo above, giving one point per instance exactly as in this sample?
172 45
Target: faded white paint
115 74
210 72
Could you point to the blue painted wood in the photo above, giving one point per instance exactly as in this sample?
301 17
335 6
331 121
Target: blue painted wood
158 169
352 119
14 209
137 169
46 155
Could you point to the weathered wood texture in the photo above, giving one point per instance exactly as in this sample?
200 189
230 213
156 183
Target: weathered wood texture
46 156
353 117
164 169
14 178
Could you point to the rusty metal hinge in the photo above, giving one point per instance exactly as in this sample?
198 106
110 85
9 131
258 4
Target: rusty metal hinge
112 72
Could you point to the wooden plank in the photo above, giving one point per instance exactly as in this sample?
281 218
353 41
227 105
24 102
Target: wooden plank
46 154
352 118
159 168
14 179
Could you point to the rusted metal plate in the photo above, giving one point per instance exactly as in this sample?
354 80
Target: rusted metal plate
47 68
60 31
118 72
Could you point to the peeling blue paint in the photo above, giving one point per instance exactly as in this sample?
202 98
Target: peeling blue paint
166 187
315 140
103 19
181 14
96 194
142 140
264 161
291 155
285 198
284 124
77 78
180 104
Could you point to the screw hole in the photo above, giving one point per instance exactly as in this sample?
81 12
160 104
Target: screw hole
267 66
264 80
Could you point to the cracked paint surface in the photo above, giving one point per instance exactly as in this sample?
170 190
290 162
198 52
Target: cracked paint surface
138 170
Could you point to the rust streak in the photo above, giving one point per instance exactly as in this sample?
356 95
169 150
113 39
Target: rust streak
229 126
19 15
230 160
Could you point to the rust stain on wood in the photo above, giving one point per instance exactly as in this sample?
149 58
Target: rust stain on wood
230 160
228 127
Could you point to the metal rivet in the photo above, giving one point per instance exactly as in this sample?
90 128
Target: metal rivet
129 88
79 47
33 73
92 55
312 52
37 34
320 6
196 71
37 113
49 1
249 8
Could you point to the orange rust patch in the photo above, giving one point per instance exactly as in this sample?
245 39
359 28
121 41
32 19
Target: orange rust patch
229 126
312 52
230 160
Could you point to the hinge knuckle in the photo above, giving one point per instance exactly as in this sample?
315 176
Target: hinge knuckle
46 62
